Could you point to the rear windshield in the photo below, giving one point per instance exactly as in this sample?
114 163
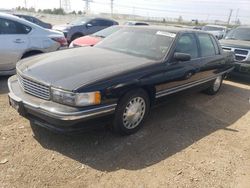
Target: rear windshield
149 43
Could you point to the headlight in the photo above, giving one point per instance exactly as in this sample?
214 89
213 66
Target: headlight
76 99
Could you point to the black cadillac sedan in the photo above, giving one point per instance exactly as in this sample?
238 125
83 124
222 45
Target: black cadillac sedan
122 76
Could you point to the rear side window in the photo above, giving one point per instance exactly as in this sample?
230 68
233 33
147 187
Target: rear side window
9 27
101 22
187 44
106 23
206 45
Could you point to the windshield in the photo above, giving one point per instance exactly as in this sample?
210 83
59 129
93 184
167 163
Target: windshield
150 44
239 34
210 28
79 21
106 32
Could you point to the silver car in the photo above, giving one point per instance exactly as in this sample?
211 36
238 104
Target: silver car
20 39
218 31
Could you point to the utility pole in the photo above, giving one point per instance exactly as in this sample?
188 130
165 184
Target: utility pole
87 5
25 3
60 3
229 17
237 14
112 6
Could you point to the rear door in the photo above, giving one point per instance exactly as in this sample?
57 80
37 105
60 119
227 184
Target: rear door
13 42
211 58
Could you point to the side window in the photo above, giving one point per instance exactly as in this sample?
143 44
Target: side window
36 21
95 23
187 44
217 50
104 23
206 45
30 19
9 27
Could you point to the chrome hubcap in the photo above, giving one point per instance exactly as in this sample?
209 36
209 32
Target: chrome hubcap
134 112
217 83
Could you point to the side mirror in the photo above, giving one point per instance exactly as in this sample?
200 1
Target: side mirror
89 25
182 56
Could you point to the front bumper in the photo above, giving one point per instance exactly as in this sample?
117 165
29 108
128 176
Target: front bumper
241 69
50 114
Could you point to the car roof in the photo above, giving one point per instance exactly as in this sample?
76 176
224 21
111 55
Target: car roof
93 18
18 19
171 29
24 15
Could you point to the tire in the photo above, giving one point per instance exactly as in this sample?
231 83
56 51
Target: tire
131 112
215 87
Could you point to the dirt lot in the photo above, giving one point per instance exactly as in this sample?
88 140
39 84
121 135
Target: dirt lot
192 140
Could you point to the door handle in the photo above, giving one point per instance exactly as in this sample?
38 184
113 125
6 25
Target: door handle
18 41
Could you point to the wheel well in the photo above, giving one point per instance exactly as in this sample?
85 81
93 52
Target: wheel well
151 92
31 53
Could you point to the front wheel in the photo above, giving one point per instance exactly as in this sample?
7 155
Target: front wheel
131 112
215 87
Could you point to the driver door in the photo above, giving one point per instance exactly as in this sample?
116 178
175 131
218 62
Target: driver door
181 73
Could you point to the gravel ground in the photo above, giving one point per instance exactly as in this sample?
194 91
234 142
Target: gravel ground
192 140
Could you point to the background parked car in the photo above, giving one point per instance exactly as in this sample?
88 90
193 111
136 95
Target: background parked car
35 21
20 38
93 39
218 31
197 27
84 26
131 23
238 41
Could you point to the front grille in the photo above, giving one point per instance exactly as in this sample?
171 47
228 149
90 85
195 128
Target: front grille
34 88
240 54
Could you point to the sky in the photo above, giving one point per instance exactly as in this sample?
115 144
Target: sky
189 9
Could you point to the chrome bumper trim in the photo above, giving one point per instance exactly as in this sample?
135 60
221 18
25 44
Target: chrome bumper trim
51 112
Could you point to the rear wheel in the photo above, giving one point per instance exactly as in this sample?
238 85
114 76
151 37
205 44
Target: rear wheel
215 87
131 112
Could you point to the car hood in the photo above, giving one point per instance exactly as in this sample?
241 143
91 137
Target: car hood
87 41
73 68
235 43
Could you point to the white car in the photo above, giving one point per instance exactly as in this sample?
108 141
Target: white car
20 39
218 31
